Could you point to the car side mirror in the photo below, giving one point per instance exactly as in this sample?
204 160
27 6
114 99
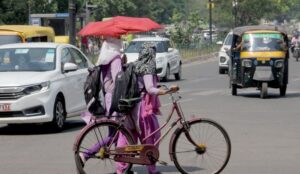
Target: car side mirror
170 49
219 43
70 67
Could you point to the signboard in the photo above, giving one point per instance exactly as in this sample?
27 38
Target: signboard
35 21
62 15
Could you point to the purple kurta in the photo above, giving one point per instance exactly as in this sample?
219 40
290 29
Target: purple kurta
146 123
109 74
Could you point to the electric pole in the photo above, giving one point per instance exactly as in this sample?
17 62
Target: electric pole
72 22
234 5
210 20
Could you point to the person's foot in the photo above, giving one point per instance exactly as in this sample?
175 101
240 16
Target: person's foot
129 172
82 159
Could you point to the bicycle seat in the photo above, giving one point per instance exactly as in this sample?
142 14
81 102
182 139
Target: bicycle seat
126 105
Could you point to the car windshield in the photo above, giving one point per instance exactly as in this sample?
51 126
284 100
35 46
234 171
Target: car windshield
228 40
263 42
135 46
8 39
27 59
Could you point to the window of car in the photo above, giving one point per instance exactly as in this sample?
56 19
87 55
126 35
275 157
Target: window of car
27 59
228 40
80 60
66 56
7 39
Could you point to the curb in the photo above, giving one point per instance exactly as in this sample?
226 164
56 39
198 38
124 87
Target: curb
200 58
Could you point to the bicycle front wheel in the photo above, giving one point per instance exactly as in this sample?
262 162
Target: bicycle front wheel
207 151
92 148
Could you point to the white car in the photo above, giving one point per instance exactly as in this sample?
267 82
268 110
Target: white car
41 82
168 59
222 56
206 34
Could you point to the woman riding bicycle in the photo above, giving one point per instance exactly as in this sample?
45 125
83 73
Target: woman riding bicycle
147 110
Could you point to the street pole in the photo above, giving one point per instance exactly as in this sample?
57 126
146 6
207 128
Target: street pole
234 5
72 22
87 13
210 20
29 12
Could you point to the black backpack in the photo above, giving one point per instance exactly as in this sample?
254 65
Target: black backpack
93 91
126 92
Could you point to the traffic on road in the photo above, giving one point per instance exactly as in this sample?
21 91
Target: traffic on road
128 87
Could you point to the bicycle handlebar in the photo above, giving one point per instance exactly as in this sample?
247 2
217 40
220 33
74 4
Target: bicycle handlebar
170 90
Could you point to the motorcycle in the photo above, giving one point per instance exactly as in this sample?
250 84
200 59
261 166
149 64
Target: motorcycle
296 53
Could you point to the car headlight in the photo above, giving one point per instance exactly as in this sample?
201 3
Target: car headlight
159 60
247 63
222 59
279 63
36 87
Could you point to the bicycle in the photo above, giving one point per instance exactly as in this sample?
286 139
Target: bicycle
197 146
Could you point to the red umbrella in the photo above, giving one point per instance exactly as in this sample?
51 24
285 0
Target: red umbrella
136 24
119 25
84 31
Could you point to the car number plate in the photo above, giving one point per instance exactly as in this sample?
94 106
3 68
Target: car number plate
263 59
5 107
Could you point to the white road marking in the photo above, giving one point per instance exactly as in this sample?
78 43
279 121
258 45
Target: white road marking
208 92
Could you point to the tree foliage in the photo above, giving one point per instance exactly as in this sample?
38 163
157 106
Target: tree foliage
163 11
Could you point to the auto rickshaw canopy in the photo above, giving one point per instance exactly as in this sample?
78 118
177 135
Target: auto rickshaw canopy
28 31
239 31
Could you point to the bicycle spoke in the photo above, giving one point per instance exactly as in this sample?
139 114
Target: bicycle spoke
211 152
96 144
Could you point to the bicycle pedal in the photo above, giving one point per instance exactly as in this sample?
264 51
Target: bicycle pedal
162 163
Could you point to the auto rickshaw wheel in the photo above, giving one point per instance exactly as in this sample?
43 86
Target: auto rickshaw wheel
264 90
282 90
233 89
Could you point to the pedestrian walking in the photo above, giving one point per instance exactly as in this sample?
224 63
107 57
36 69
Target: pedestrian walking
110 61
147 110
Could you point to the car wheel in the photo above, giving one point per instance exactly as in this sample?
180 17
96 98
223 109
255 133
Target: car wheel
179 74
221 71
264 90
59 114
233 89
282 90
167 75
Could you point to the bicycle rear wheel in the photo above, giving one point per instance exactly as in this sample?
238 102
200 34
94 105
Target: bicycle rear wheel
211 152
93 143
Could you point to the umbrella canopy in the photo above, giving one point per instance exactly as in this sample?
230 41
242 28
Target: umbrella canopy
84 31
118 26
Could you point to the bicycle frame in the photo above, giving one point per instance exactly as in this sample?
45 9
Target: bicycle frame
181 120
148 154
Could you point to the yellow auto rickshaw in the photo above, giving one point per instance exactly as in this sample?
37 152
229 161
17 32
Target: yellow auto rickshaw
25 33
260 59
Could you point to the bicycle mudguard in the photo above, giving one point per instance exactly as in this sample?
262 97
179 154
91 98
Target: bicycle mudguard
145 154
175 133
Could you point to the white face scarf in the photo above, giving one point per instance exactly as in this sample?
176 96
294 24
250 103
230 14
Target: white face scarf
110 49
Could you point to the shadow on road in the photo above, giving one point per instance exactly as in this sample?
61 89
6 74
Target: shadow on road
165 169
269 96
35 129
